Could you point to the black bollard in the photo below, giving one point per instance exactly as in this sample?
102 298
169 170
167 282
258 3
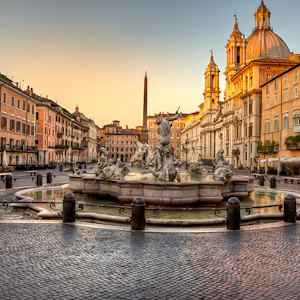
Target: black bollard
49 177
85 166
272 182
69 208
290 209
233 214
8 181
61 168
138 214
261 180
72 168
39 179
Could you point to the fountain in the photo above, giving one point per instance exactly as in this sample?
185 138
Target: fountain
166 186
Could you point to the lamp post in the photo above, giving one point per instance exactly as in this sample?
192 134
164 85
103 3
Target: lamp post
214 123
71 165
186 152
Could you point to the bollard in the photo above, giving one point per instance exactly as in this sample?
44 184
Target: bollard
233 214
261 180
39 179
85 166
49 177
289 215
272 182
61 168
69 208
138 214
71 167
8 181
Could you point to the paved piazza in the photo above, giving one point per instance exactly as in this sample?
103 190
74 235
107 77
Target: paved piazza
64 261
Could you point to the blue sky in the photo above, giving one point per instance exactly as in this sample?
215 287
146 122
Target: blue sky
95 53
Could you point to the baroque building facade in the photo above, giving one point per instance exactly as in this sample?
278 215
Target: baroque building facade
235 123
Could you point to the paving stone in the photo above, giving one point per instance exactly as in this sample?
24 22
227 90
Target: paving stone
61 261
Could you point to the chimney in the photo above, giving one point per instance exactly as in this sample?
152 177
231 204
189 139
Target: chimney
126 126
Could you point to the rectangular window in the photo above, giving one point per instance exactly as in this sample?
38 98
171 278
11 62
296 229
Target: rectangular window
4 123
4 97
37 115
12 100
286 121
28 129
296 91
18 127
268 77
24 105
23 128
267 126
267 102
250 130
296 74
19 103
33 109
12 125
285 96
32 130
276 127
267 89
276 99
285 79
28 107
276 84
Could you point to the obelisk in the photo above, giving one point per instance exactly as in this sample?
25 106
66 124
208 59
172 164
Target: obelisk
144 133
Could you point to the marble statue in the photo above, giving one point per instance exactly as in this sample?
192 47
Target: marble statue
143 155
197 168
4 161
164 132
102 163
168 171
138 157
223 172
111 171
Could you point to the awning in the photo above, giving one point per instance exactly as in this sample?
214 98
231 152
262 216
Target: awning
292 159
282 159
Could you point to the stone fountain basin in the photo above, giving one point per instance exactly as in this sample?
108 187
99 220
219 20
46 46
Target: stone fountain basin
164 193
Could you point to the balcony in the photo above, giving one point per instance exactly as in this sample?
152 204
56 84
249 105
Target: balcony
61 147
84 144
17 148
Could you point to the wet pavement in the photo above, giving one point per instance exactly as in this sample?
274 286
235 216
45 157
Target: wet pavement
64 261
53 260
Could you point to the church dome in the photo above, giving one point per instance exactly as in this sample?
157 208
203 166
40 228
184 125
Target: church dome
263 42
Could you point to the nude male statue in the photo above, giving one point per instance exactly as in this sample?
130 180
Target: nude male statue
164 132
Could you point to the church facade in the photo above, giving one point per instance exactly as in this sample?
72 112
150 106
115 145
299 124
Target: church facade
234 124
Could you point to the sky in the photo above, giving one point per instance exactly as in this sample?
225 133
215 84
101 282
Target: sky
95 53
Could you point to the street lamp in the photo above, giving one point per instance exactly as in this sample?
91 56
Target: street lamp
186 152
214 123
71 165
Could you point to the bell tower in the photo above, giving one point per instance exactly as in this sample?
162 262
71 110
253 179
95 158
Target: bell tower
235 54
212 90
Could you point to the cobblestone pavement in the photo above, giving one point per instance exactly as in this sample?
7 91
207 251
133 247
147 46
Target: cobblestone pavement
64 261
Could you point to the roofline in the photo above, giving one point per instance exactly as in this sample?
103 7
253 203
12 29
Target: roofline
288 70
